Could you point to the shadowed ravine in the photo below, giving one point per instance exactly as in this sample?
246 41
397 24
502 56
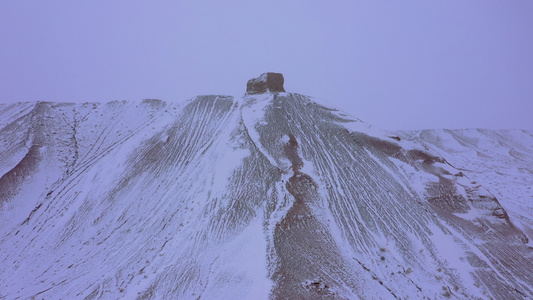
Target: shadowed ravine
310 264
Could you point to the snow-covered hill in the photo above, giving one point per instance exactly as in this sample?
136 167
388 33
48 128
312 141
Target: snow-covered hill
271 195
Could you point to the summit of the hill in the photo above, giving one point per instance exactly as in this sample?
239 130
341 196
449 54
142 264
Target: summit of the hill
267 82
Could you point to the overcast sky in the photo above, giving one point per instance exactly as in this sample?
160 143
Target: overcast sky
393 64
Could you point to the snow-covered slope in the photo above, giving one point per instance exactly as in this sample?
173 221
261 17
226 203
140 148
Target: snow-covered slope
267 196
500 160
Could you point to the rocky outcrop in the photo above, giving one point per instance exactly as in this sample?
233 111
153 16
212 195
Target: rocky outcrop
267 82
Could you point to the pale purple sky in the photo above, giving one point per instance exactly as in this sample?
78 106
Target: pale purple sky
393 64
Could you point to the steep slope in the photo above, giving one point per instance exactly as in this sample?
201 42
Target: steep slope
268 196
